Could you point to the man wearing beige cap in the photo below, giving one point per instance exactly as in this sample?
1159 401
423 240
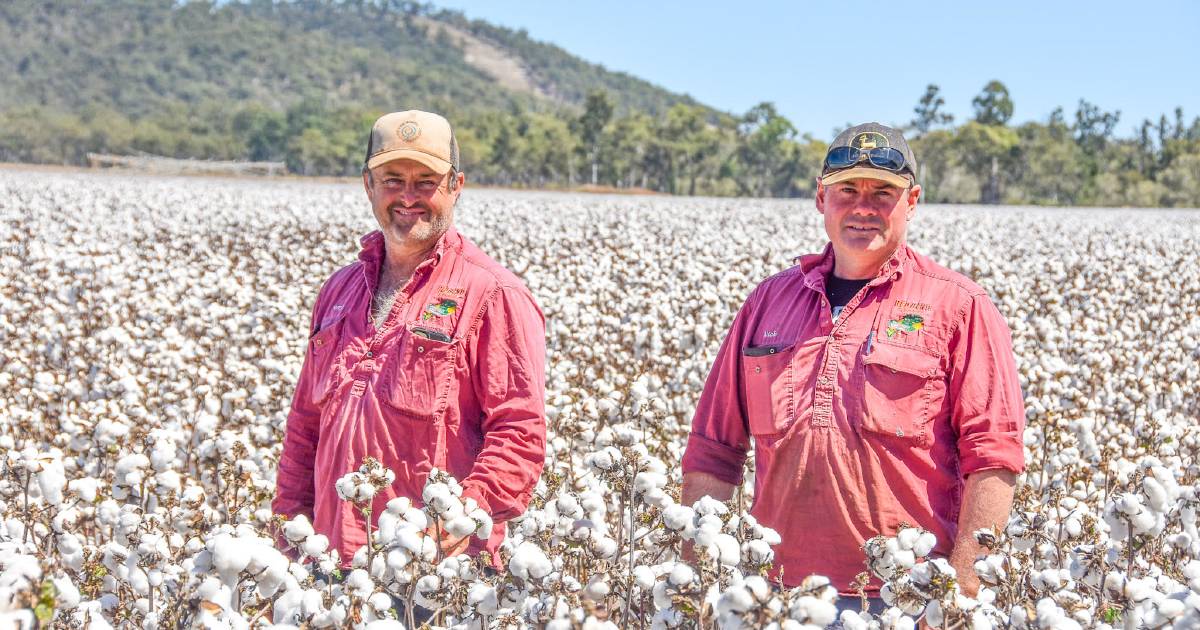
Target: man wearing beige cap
425 353
879 387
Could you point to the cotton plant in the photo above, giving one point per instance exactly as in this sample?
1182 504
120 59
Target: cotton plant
144 388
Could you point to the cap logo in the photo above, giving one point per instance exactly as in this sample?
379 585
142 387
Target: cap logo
409 131
870 140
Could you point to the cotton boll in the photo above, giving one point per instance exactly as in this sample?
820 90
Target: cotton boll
597 588
484 523
567 505
397 558
729 552
410 540
358 583
816 612
297 529
924 544
643 577
229 556
85 487
482 597
461 527
315 545
904 558
359 559
759 552
529 562
51 482
681 575
907 538
679 518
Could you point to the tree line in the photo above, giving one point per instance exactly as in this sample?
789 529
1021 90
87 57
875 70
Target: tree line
1065 159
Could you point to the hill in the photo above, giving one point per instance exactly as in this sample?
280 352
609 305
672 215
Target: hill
267 80
141 57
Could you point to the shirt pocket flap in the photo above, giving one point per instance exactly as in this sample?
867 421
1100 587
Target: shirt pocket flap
767 386
913 361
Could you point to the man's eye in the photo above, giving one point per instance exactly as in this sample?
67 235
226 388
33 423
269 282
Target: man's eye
392 182
427 185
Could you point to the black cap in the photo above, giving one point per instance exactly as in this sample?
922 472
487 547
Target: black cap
869 136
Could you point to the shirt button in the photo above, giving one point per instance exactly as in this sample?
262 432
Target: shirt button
370 354
422 349
757 369
899 432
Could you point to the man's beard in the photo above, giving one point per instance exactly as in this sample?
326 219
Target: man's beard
421 232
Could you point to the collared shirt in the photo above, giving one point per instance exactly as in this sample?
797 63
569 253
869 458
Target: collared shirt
863 423
453 379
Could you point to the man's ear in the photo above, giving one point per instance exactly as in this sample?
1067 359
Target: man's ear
819 198
366 175
914 195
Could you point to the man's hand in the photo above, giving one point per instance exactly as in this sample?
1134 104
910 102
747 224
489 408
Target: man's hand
987 502
448 544
697 485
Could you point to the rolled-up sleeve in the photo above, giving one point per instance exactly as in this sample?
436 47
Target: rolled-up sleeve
294 489
720 436
987 409
508 373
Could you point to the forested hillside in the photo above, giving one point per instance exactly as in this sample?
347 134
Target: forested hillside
301 82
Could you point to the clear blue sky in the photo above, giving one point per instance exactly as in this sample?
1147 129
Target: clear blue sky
828 63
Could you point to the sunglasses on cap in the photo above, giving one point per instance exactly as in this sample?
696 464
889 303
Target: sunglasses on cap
886 158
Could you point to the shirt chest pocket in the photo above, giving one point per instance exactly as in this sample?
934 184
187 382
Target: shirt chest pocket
767 378
323 348
898 390
416 380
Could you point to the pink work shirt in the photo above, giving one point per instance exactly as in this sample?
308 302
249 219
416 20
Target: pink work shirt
472 405
862 423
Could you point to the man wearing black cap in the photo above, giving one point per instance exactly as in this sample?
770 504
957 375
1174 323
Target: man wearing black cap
880 388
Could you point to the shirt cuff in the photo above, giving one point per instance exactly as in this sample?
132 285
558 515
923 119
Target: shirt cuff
990 451
715 458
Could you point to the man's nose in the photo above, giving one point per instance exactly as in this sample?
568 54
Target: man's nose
409 196
867 203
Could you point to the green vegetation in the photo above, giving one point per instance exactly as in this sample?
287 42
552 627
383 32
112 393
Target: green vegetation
302 81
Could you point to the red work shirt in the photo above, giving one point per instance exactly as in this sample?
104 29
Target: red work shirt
863 423
454 379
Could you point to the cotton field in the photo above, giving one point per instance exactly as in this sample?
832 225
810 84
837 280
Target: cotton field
152 329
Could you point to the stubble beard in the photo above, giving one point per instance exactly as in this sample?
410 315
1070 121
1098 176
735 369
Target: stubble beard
420 235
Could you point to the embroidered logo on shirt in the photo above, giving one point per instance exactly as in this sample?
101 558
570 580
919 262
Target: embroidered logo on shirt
913 306
908 323
440 308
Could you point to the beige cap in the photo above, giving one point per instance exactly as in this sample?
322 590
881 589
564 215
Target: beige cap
413 135
894 179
